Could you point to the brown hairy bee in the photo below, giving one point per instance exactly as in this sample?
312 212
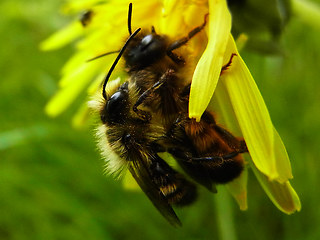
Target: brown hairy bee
148 114
129 141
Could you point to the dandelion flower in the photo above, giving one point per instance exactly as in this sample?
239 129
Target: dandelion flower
234 94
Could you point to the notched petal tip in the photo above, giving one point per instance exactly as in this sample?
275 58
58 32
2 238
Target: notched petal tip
282 195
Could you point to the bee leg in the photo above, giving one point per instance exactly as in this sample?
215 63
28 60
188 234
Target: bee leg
152 89
180 154
176 58
196 171
146 94
170 132
243 147
186 157
216 158
226 67
182 41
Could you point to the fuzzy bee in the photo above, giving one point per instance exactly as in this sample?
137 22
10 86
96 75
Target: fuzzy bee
129 141
148 114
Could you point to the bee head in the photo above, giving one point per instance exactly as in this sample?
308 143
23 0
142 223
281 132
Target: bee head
144 51
116 106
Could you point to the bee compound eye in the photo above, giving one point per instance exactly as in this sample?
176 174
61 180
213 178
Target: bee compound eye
114 103
147 40
150 49
115 107
152 45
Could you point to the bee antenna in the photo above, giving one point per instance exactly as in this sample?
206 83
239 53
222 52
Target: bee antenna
116 61
129 18
130 32
102 55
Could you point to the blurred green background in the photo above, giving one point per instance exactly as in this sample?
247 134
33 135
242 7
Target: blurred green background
52 184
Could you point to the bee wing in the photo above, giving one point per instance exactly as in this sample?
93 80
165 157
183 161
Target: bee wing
140 170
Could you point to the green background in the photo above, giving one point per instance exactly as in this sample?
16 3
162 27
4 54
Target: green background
52 184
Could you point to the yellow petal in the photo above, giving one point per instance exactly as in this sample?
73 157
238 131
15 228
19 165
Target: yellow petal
208 69
265 146
238 189
72 66
146 14
80 5
282 195
63 37
78 61
225 116
172 23
222 107
96 84
80 119
79 80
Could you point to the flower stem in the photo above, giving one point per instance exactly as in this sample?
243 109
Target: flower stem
307 11
225 216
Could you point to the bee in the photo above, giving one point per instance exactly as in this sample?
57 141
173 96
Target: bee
85 17
128 141
148 114
212 153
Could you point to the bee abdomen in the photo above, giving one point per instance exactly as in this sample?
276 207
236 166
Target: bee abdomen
173 186
184 193
227 171
180 193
